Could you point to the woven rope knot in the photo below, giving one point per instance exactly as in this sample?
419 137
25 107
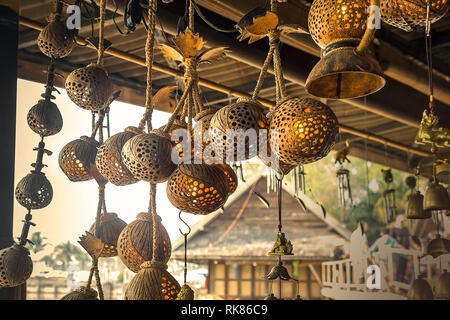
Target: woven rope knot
274 38
154 264
191 69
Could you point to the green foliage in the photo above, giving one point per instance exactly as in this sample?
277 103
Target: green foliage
37 244
63 254
322 186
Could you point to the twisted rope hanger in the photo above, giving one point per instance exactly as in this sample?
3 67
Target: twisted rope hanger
272 56
101 40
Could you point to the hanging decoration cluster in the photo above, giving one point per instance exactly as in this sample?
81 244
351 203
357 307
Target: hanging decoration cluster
91 89
35 191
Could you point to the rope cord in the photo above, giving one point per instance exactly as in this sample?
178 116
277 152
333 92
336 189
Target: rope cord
428 46
101 47
57 11
99 123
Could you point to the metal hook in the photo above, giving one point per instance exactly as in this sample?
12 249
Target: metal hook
189 228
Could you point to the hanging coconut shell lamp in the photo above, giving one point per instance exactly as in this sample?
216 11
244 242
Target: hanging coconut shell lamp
81 293
135 242
90 87
109 228
410 15
15 265
55 40
206 151
442 287
109 158
198 188
344 31
152 282
44 118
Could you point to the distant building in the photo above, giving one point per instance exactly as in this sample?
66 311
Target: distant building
234 243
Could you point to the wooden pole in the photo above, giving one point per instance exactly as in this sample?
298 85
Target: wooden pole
9 29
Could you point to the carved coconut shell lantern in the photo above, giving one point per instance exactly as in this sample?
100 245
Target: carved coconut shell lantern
34 191
55 40
81 293
198 188
302 131
410 15
230 175
203 122
245 114
153 282
109 158
135 244
77 158
148 156
16 266
90 87
109 229
45 119
339 27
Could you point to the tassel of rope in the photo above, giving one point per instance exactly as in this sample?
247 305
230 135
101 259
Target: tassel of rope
101 47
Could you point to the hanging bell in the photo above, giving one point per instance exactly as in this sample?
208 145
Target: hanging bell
77 158
152 282
420 290
436 198
345 70
16 265
410 15
438 246
45 119
344 189
135 243
390 208
442 287
414 207
186 293
302 131
109 158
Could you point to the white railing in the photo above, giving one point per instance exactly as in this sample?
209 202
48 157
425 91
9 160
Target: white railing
340 281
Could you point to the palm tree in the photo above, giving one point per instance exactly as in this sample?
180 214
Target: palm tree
64 252
37 243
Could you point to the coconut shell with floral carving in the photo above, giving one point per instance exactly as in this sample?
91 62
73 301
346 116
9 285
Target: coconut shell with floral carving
135 244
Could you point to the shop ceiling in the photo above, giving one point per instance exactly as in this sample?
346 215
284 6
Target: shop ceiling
383 123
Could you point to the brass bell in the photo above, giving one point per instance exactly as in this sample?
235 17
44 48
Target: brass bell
414 207
438 247
345 69
436 198
420 290
442 288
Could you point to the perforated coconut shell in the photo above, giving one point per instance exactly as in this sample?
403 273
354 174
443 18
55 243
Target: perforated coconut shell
302 130
152 282
110 227
331 21
81 293
34 191
198 188
207 151
148 157
77 158
55 41
45 119
243 115
16 266
135 244
410 15
109 159
232 178
89 87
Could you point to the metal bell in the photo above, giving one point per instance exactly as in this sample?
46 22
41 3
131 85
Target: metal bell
414 207
420 290
436 198
442 288
438 247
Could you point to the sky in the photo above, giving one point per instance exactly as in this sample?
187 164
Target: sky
73 208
